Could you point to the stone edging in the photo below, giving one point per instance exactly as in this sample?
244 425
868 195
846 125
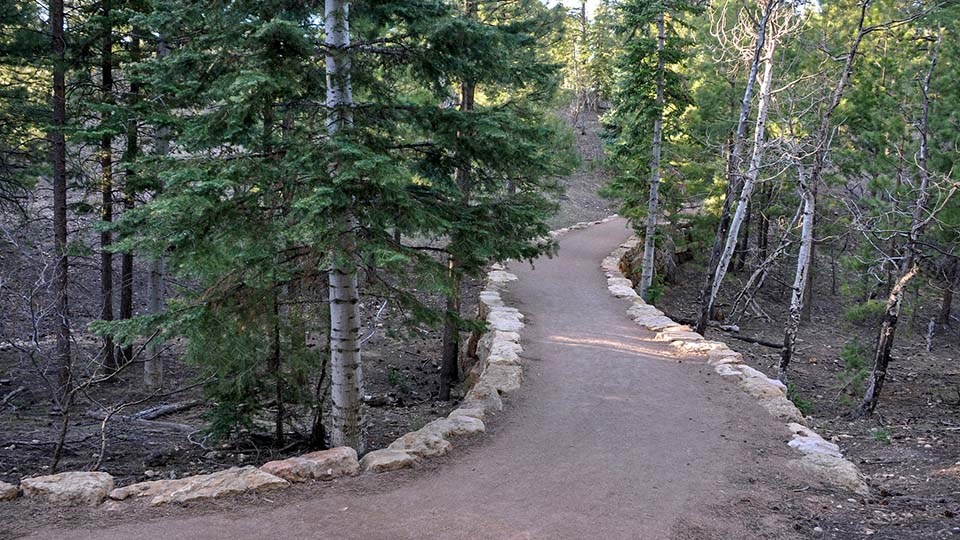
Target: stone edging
497 371
821 459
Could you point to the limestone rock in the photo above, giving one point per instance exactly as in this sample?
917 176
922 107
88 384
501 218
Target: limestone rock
504 359
727 370
504 321
456 426
483 396
810 442
421 443
76 488
697 346
678 335
832 470
621 287
323 465
783 408
8 491
385 460
504 346
467 413
749 372
724 356
205 486
504 378
498 279
815 445
761 388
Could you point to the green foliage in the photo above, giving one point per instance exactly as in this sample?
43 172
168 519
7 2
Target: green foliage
630 121
854 356
24 87
869 312
250 206
803 405
881 435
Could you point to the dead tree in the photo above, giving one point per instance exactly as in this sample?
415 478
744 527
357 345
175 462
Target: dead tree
777 31
733 163
800 277
910 263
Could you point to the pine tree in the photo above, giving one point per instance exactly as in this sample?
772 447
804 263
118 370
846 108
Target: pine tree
650 93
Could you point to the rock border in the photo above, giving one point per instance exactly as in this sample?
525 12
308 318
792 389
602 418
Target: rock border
821 459
497 371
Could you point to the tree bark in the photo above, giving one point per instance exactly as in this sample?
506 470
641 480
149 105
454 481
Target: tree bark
822 136
753 173
129 155
58 157
346 373
909 266
733 168
946 302
653 203
153 365
109 361
450 349
800 278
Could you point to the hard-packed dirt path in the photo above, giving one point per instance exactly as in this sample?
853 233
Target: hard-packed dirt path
611 437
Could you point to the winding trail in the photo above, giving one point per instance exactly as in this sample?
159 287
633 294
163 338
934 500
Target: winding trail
612 436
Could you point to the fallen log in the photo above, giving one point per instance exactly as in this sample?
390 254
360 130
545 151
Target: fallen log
168 408
770 344
171 426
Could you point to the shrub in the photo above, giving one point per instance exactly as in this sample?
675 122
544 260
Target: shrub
870 312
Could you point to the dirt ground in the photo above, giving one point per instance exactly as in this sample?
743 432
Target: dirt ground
910 449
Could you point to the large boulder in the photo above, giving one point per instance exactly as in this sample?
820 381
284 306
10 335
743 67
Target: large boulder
386 460
75 488
8 491
323 465
205 486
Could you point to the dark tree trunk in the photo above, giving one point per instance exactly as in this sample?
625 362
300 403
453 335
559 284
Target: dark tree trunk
946 302
450 350
910 265
276 371
130 154
106 185
58 157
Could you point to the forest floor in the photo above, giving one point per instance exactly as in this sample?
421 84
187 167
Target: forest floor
401 371
909 449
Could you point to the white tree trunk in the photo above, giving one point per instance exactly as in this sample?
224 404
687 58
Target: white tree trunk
653 204
753 172
733 164
800 277
346 374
